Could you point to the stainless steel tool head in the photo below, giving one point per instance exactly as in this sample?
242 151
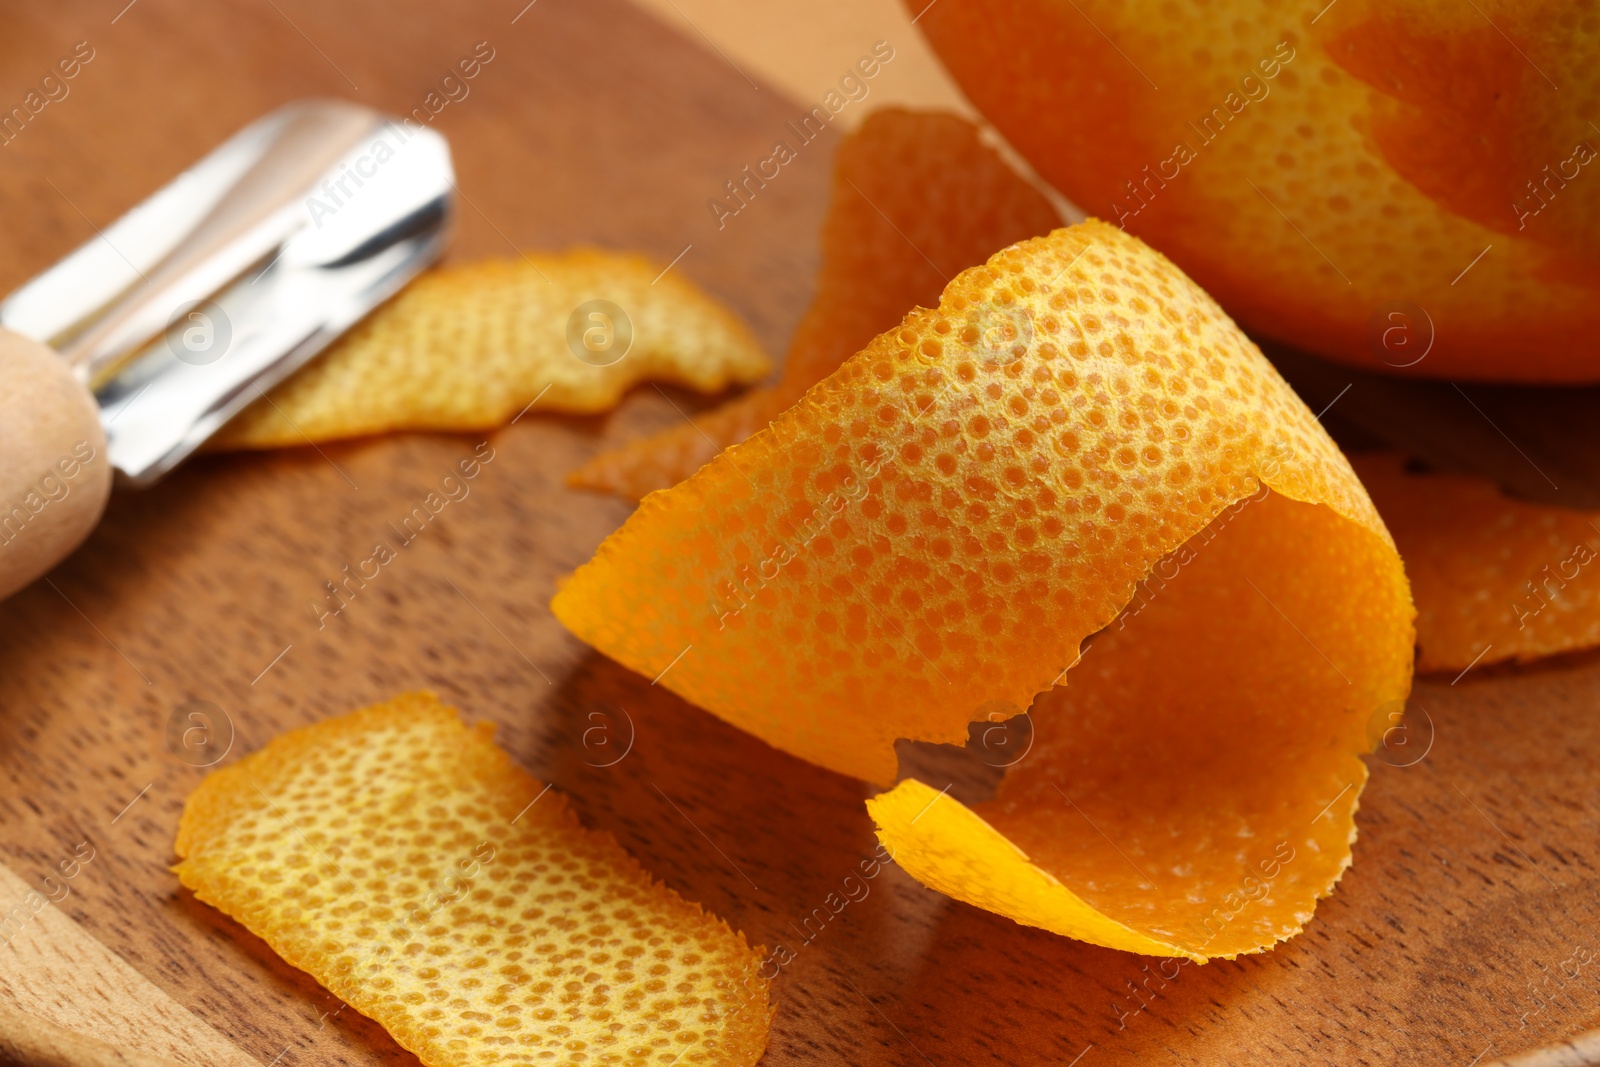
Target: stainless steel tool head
239 271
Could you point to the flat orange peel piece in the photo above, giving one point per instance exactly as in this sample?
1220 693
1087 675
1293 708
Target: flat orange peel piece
401 859
1495 579
469 347
1075 433
916 196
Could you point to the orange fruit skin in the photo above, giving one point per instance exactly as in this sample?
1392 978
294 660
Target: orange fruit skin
1075 432
940 522
472 346
399 857
1193 780
1312 167
916 197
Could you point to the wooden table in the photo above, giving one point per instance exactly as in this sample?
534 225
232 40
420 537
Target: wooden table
1474 878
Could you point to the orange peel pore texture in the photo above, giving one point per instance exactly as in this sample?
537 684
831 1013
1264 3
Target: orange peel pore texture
401 859
1495 578
470 347
1075 438
1316 169
916 197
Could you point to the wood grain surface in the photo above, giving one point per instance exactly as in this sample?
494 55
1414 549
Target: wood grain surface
58 973
1466 929
28 1041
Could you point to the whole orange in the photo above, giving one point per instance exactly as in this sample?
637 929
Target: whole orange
1410 186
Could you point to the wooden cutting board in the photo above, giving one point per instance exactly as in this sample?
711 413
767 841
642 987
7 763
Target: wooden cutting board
1453 937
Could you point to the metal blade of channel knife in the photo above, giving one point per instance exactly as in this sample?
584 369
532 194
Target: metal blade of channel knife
262 208
238 271
56 306
355 252
161 408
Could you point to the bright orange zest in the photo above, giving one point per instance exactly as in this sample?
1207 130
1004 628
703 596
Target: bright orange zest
470 347
1318 168
1075 433
401 859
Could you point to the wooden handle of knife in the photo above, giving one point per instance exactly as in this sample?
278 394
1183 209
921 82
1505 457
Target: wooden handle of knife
29 1041
55 474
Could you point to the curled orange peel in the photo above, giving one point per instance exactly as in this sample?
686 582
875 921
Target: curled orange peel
1075 442
1495 579
916 196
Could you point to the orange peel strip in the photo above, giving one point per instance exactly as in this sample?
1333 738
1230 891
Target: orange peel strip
1075 440
1495 579
916 196
469 347
402 860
